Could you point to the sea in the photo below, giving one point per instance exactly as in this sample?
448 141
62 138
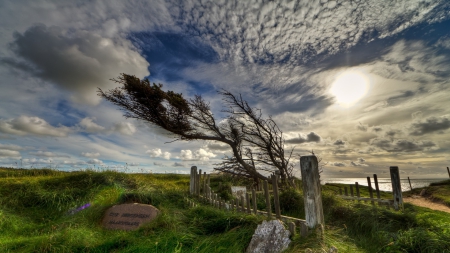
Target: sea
384 183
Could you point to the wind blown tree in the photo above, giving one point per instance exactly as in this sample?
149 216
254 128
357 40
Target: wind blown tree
257 143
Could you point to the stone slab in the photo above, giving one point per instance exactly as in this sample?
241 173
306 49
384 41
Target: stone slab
270 236
238 191
129 216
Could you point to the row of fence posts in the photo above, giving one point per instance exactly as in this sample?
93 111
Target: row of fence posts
247 204
397 201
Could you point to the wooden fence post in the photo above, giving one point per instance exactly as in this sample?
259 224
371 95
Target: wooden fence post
370 190
448 170
409 181
377 188
192 180
276 198
292 228
266 193
312 192
204 184
357 190
396 187
255 211
249 208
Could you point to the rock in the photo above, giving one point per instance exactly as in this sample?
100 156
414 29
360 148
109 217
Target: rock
270 236
129 216
423 192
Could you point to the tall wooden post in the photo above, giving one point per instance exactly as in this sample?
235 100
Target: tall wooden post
255 211
370 190
396 187
357 190
377 188
410 186
312 192
193 179
266 193
276 199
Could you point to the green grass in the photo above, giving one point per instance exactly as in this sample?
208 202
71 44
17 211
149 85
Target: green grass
35 217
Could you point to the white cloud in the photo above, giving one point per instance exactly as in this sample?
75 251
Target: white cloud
125 128
9 153
11 147
94 161
46 154
156 152
77 61
133 164
25 125
199 155
302 138
90 155
88 125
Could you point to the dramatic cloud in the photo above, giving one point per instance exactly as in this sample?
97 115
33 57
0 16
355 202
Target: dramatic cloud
402 145
94 161
88 125
46 154
9 153
198 155
76 61
356 164
339 142
311 137
25 125
90 155
338 164
125 128
429 125
156 152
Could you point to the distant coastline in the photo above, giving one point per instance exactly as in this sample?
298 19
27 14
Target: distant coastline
384 183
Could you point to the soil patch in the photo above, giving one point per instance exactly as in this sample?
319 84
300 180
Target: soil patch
424 202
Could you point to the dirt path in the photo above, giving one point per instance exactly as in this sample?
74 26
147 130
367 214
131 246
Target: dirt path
423 202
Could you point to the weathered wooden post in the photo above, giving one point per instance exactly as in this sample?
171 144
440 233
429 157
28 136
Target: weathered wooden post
247 197
357 190
199 181
192 180
255 211
410 186
266 193
312 191
292 228
396 187
276 198
370 190
204 185
377 188
448 170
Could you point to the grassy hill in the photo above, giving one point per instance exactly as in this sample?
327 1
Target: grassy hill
38 213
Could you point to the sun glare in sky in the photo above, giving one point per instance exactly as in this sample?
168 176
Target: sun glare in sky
349 87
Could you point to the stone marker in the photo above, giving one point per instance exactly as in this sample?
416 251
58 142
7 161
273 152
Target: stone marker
238 191
129 216
270 236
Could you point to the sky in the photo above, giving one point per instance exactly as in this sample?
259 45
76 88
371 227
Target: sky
363 84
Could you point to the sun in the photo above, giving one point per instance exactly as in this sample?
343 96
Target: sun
349 87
